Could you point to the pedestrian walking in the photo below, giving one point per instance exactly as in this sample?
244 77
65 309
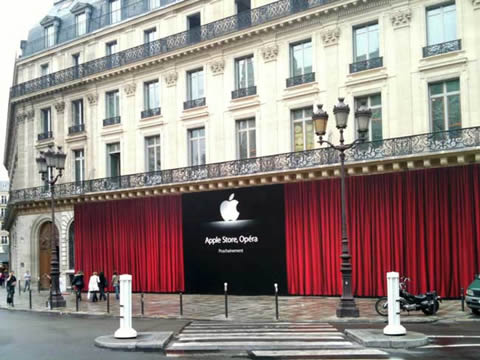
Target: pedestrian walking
116 285
27 277
78 283
11 283
2 279
93 287
103 283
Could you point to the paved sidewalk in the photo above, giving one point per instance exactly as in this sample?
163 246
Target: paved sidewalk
240 308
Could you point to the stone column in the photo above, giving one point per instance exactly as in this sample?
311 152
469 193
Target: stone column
171 109
93 124
215 135
129 118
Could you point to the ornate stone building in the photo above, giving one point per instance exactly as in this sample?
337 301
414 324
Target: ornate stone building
152 98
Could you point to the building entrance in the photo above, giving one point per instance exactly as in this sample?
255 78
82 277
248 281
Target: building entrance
45 253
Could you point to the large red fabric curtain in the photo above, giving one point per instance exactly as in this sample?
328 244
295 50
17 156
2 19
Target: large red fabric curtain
141 237
424 224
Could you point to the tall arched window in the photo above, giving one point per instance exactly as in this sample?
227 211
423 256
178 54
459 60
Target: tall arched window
71 246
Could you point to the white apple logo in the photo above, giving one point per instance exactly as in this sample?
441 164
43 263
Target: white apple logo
228 209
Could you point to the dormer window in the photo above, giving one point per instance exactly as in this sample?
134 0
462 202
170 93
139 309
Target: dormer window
81 24
115 11
49 36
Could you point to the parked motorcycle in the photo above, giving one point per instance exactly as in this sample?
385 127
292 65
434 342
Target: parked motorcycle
429 303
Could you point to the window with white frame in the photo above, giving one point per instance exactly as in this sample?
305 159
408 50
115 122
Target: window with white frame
81 24
151 95
115 11
195 88
303 131
196 146
2 212
44 70
111 48
113 160
77 112
154 4
79 168
441 23
445 110
152 152
374 102
46 120
112 104
4 240
76 59
301 58
365 42
246 139
244 77
4 199
49 34
149 35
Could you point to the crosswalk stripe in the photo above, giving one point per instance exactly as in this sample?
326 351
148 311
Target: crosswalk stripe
292 337
285 331
313 353
234 345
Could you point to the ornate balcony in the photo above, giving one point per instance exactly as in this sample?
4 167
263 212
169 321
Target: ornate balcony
249 91
190 104
395 148
151 112
207 32
366 65
111 121
45 135
301 79
442 48
75 129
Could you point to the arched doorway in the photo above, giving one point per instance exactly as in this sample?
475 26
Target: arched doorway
45 252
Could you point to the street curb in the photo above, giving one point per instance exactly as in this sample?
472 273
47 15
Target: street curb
375 338
145 341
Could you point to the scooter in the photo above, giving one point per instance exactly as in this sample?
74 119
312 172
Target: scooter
429 303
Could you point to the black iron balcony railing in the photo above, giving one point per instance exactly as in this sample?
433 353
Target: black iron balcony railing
442 48
151 112
190 104
249 91
366 65
45 135
301 79
213 30
75 129
111 121
438 142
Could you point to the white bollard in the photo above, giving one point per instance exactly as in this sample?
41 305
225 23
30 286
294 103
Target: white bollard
393 327
125 331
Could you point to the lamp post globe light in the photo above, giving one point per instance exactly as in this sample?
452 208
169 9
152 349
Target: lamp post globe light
47 162
346 306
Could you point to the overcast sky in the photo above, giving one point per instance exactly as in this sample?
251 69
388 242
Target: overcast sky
16 18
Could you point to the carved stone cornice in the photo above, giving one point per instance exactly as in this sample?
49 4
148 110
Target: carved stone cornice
401 18
330 37
130 89
21 117
270 53
217 67
171 78
476 4
60 107
92 98
30 114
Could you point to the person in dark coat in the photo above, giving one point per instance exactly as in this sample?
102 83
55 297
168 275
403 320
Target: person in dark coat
78 284
11 283
102 285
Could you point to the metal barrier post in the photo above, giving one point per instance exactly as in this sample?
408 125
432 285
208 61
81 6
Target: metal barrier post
125 331
19 287
108 302
462 297
394 327
225 288
276 300
181 304
30 298
76 301
143 304
39 286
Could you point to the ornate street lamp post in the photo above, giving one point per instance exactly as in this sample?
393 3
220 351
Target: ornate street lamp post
346 306
47 162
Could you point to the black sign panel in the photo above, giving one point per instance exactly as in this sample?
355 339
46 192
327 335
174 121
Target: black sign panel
235 236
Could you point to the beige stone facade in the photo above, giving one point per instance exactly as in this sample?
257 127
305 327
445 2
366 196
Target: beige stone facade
403 81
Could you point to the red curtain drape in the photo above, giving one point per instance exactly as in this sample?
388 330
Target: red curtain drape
424 224
141 237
